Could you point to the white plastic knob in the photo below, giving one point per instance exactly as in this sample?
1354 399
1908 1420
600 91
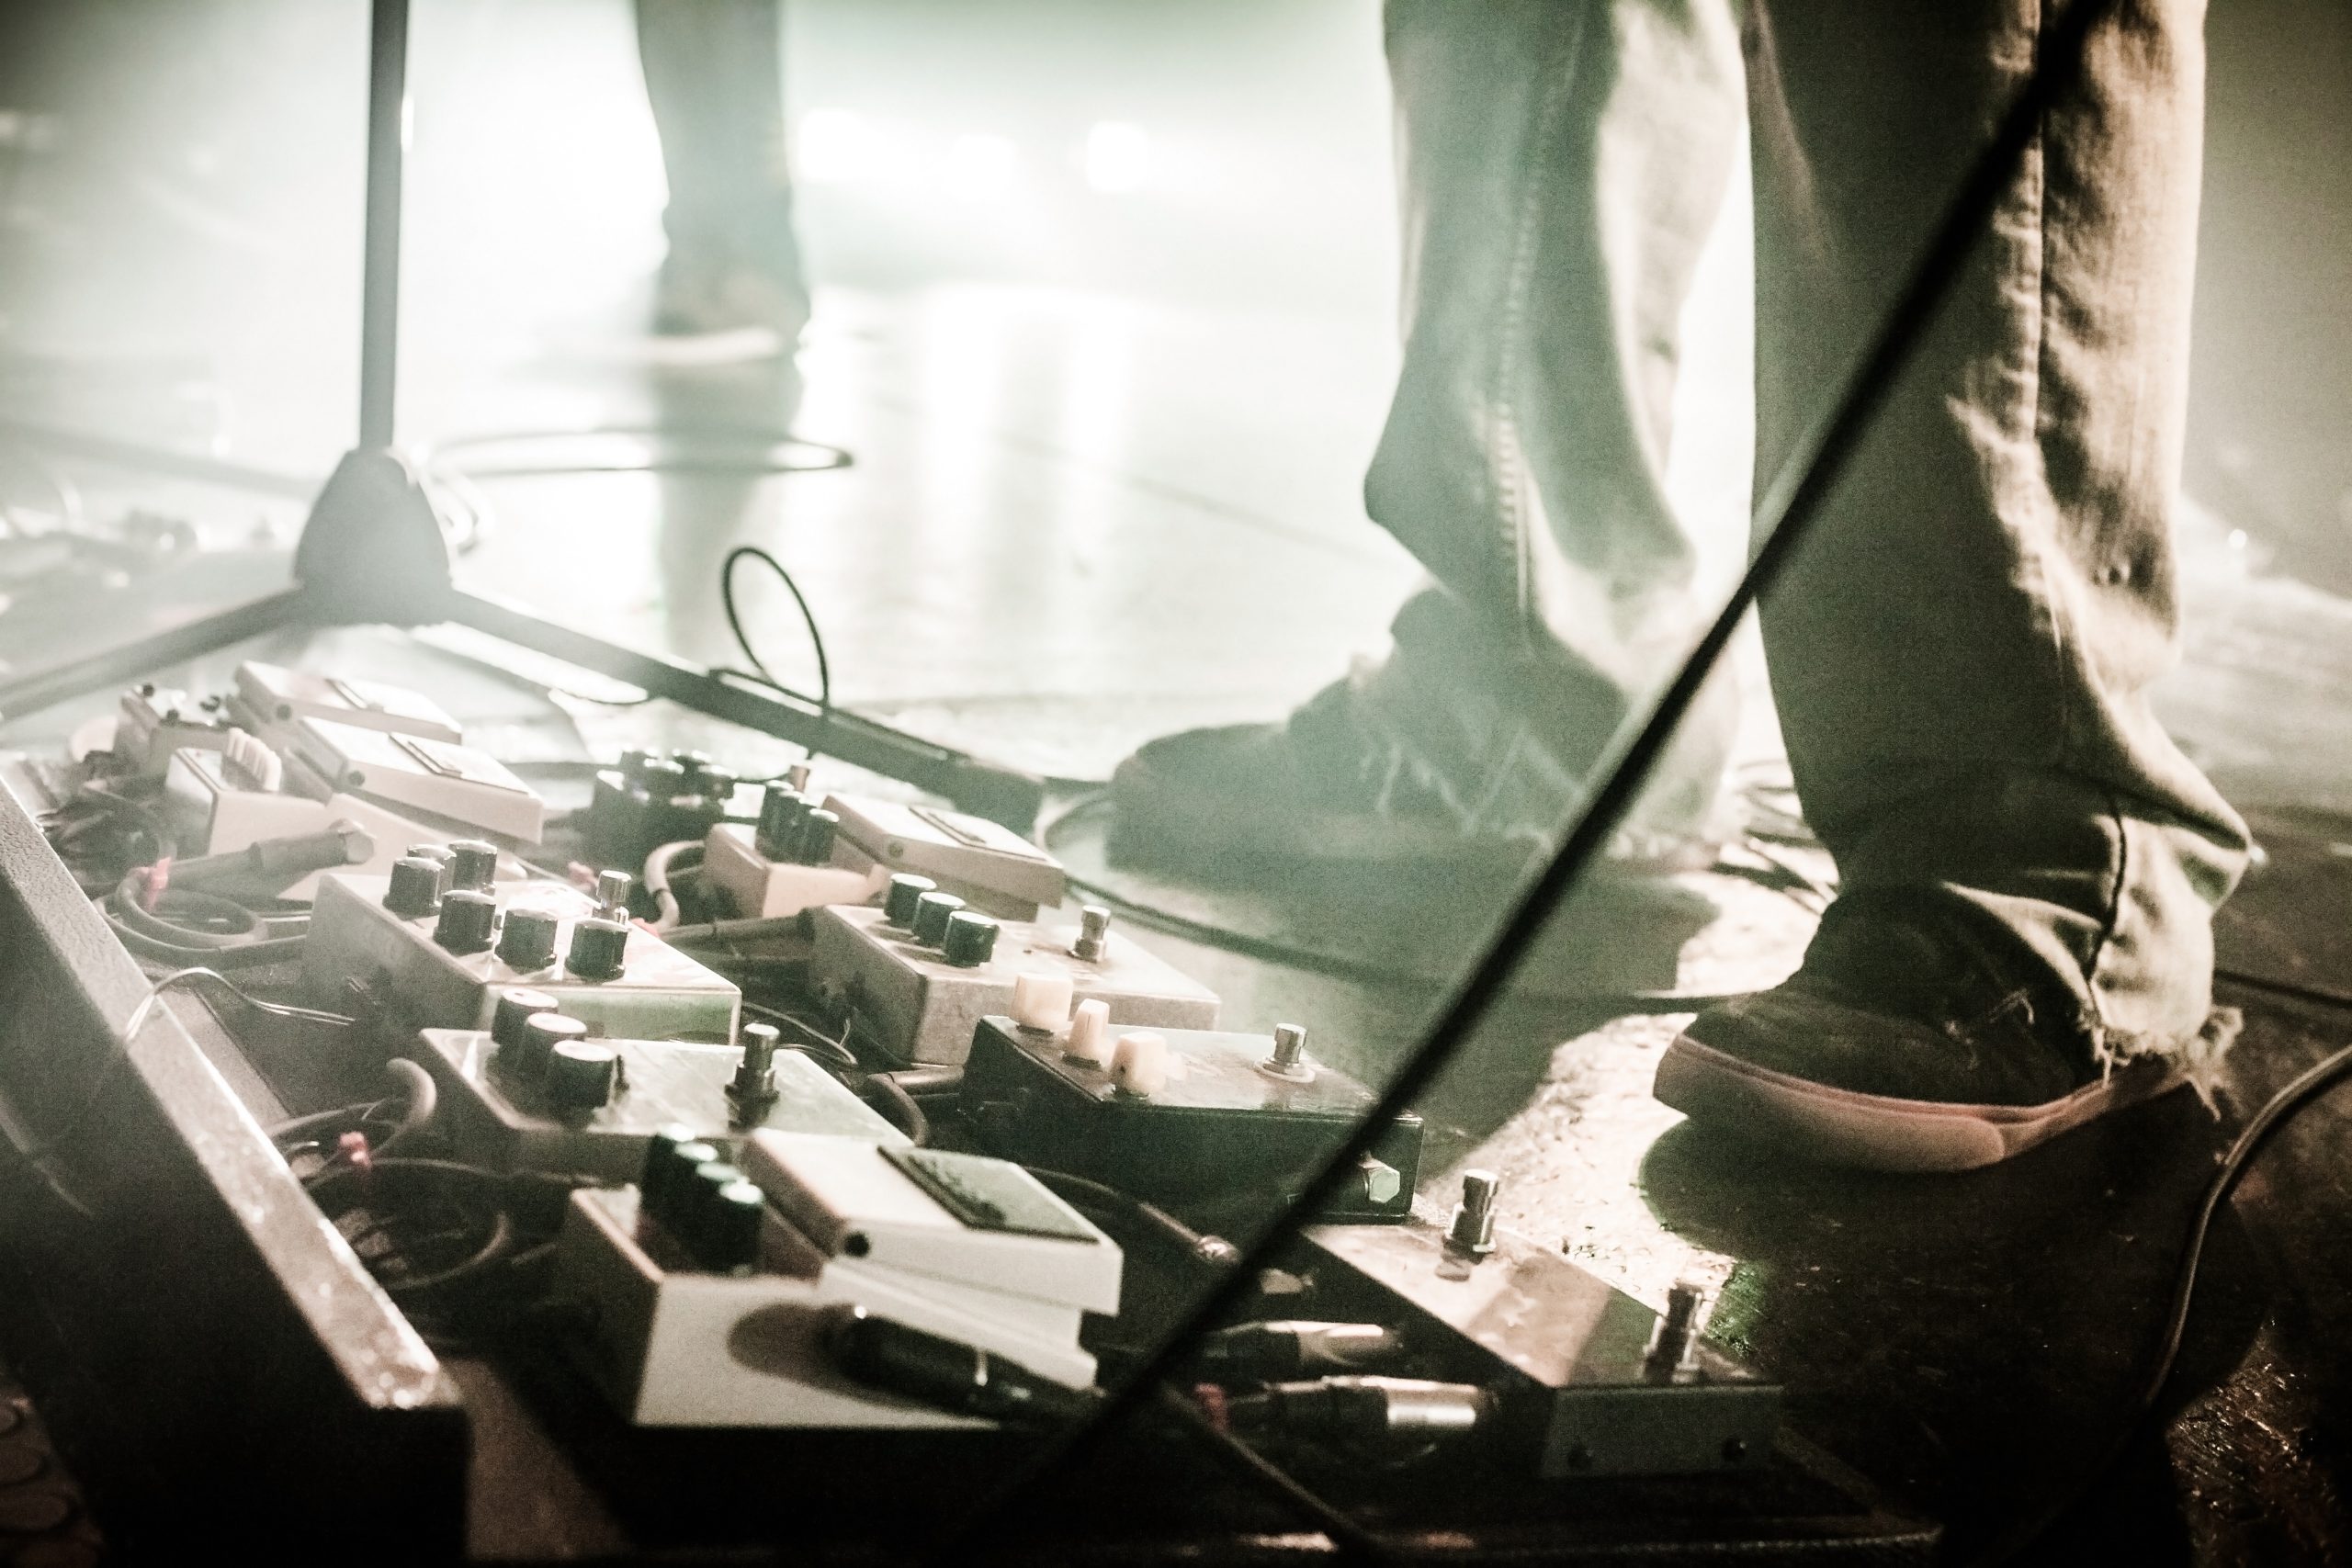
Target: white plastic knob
1042 1002
1090 1033
1139 1063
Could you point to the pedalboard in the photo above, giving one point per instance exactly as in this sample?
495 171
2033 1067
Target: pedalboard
708 1290
1584 1380
1178 1116
531 1097
918 974
437 942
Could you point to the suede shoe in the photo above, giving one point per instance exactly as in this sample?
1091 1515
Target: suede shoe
1347 784
1911 1040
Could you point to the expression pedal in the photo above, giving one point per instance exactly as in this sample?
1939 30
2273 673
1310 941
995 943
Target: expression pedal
709 1288
535 1093
1586 1380
920 973
438 959
1175 1116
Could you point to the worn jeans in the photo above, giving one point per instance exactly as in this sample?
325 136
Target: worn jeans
713 76
1960 651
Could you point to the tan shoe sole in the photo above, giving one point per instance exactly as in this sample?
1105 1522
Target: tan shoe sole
1876 1132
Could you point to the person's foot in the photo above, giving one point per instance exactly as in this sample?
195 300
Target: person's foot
1910 1040
699 294
1343 784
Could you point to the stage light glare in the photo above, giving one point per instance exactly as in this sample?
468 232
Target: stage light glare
1117 158
835 147
980 166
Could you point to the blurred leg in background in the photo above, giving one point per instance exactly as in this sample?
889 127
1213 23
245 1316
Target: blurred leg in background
713 73
1561 165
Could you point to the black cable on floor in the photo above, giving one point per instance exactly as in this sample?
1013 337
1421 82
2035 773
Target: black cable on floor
735 558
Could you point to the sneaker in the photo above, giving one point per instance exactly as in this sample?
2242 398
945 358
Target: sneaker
698 295
1909 1041
1339 785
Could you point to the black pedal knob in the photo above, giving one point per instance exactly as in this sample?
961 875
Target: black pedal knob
632 762
513 1007
818 831
598 950
781 809
930 917
694 765
473 863
698 1206
527 939
543 1032
668 1175
657 1149
970 939
906 890
717 786
581 1075
414 890
731 1229
662 780
438 853
468 920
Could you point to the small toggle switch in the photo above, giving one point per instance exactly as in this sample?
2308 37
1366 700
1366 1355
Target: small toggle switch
1089 1033
932 911
613 888
1041 1002
467 922
905 892
473 863
971 939
1093 933
414 890
515 1007
1472 1232
599 950
526 940
1289 1061
1139 1063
